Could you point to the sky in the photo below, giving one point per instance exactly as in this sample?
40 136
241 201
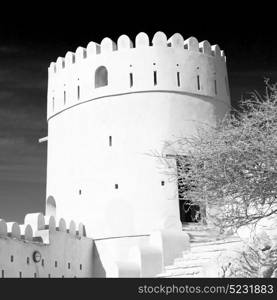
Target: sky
30 42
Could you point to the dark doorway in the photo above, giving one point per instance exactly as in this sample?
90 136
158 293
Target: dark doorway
189 212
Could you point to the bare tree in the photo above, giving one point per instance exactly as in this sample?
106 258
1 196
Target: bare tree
232 169
256 259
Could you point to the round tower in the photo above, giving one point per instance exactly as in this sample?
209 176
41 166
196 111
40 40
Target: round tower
111 105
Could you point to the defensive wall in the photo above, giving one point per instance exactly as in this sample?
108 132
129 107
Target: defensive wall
44 247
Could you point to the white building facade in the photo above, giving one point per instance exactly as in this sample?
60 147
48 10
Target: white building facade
112 105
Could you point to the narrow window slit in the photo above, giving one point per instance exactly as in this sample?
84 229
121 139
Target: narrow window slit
64 97
198 82
110 141
131 79
178 78
78 92
155 77
215 87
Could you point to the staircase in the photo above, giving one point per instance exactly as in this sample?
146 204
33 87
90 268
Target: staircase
201 233
206 244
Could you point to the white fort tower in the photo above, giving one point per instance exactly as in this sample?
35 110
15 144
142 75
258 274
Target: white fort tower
109 106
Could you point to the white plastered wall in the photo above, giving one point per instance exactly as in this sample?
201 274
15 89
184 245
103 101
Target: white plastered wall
140 120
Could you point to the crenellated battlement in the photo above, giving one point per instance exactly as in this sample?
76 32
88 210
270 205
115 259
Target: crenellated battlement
142 40
45 247
35 224
109 68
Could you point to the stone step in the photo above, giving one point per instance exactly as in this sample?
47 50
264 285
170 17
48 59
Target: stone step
210 230
215 247
188 264
195 275
201 232
216 243
208 249
197 225
182 271
202 235
181 275
202 238
199 255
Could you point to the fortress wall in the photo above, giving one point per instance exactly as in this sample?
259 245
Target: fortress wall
174 85
168 58
65 251
101 168
80 158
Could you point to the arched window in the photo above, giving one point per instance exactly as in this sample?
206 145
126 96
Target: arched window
101 77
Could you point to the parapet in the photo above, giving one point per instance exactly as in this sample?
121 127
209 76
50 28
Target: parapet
116 68
45 247
35 223
124 43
